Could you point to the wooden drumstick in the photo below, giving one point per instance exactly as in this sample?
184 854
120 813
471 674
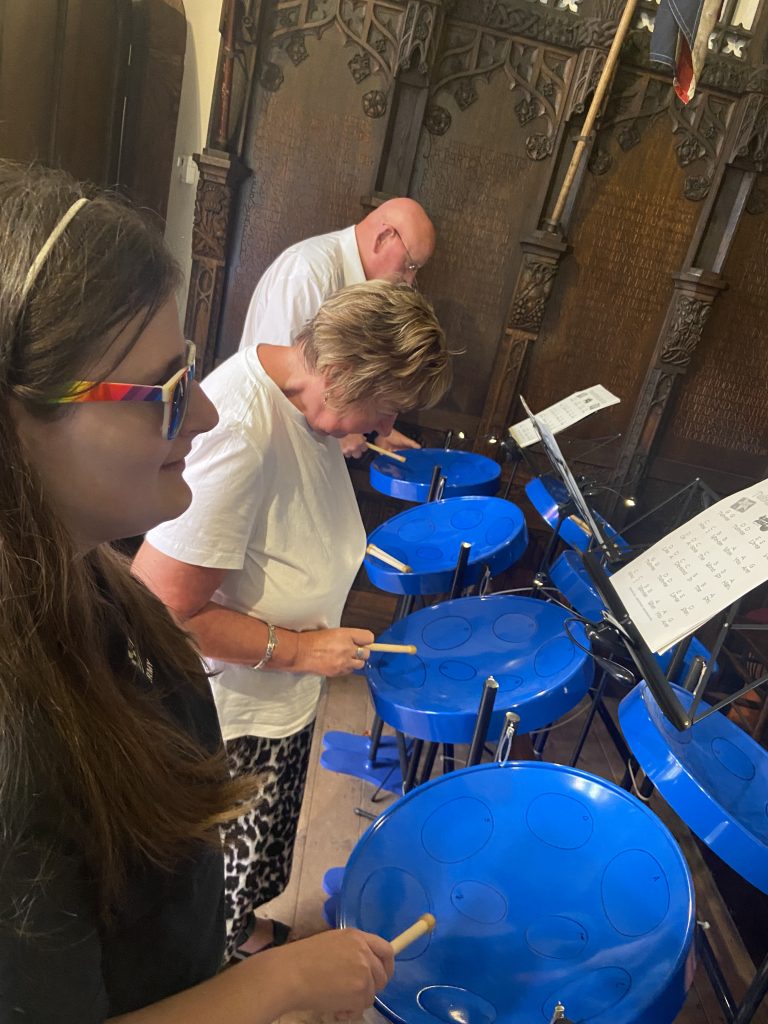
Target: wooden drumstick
423 926
394 648
383 451
382 556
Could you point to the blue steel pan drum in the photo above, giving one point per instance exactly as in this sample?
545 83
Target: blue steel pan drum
548 495
713 775
464 472
548 885
568 574
520 641
428 538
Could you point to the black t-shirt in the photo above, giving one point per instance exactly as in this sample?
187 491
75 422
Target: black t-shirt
167 935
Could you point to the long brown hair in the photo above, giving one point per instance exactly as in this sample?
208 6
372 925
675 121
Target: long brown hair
123 781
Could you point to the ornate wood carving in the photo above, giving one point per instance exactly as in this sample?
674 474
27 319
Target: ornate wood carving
548 24
220 176
419 35
537 74
416 64
682 330
384 33
589 67
701 128
751 138
542 254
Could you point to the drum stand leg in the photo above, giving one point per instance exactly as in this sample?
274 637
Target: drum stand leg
597 697
755 994
547 558
430 754
539 742
715 975
409 780
753 997
377 726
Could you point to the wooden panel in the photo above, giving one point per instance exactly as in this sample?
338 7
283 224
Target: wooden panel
479 179
313 154
64 89
89 108
152 107
473 182
631 232
721 413
28 34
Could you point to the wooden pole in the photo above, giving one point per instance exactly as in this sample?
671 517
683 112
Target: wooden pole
594 108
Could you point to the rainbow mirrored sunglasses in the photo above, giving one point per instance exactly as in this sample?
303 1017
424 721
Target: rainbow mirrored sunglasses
174 394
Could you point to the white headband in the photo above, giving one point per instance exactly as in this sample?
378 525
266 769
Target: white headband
49 243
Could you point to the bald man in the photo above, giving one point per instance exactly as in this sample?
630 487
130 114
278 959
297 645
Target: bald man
392 243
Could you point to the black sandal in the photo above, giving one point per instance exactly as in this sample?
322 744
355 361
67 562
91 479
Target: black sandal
280 934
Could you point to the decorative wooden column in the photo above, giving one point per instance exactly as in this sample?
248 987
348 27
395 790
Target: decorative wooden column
543 250
222 171
542 253
694 293
418 44
220 176
745 153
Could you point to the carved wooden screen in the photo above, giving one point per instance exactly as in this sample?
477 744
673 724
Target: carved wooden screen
721 406
630 232
472 106
310 147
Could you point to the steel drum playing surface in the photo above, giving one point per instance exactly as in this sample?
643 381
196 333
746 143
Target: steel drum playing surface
548 884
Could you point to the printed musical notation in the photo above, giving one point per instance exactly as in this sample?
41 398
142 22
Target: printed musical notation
564 413
693 574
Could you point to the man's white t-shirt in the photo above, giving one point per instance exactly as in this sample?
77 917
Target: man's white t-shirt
272 502
297 283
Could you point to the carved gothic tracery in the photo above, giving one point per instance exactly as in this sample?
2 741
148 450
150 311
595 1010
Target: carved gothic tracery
418 34
472 55
701 127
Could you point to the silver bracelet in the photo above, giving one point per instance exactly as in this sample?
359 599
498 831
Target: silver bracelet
270 649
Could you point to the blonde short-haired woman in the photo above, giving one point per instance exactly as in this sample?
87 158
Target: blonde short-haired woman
259 567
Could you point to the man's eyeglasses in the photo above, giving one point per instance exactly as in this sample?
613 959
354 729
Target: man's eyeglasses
174 394
411 267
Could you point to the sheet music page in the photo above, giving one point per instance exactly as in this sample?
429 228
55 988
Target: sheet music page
564 413
698 570
560 466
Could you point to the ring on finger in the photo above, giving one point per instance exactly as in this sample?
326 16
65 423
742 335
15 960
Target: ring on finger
360 654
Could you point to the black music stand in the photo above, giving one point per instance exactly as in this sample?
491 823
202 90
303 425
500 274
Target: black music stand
681 717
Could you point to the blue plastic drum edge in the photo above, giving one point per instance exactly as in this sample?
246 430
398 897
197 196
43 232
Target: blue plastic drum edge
660 1005
548 495
434 695
687 794
465 472
433 573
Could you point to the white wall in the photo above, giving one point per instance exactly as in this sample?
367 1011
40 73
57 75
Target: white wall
203 17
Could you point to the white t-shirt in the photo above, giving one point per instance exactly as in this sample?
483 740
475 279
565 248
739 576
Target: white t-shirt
272 503
297 283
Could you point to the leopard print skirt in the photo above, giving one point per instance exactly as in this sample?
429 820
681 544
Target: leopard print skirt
258 847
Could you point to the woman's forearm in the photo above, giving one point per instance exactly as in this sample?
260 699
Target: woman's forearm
240 639
333 972
248 993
